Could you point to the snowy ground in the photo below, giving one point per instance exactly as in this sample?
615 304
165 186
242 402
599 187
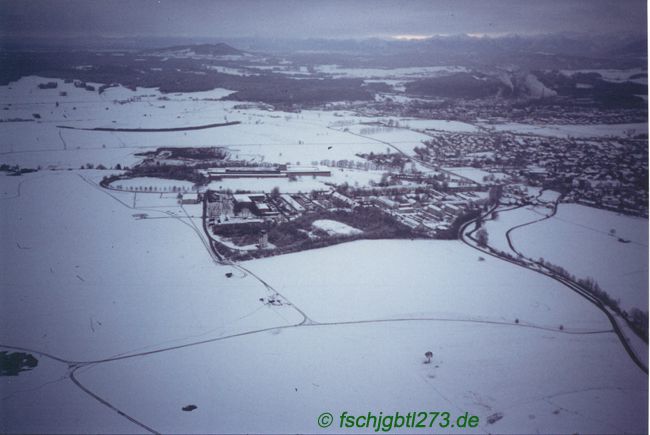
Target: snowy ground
44 400
262 135
505 220
95 280
362 281
402 139
92 280
335 228
279 381
90 275
578 239
304 184
159 184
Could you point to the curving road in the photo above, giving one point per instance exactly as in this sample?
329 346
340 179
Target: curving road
467 238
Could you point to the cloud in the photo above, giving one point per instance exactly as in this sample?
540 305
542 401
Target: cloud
309 19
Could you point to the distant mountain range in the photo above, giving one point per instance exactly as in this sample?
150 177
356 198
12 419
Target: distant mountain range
556 51
287 71
218 49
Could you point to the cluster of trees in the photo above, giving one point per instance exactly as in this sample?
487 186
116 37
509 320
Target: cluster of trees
179 75
452 232
374 223
459 85
12 363
637 319
15 169
174 172
294 235
387 160
482 237
207 153
173 189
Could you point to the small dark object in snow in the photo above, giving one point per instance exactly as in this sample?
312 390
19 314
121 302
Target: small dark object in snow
494 417
329 147
189 408
622 240
228 274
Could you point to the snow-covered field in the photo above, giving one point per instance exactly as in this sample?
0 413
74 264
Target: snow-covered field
402 139
159 184
505 220
44 400
123 286
85 278
335 228
304 184
557 382
281 380
262 135
578 238
91 279
362 281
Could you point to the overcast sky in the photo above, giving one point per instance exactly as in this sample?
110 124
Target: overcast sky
317 18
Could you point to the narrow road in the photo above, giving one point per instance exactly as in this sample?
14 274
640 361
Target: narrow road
538 268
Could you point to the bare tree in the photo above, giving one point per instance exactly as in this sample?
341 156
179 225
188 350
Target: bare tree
482 237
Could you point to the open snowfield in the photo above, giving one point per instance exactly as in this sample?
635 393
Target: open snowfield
507 219
262 135
401 139
92 280
304 184
59 403
361 281
279 381
10 185
119 290
578 239
557 382
85 279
